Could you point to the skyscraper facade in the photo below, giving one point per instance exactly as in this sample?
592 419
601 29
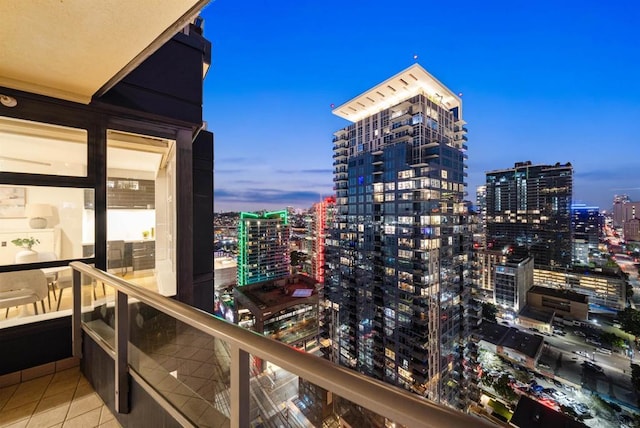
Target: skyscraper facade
263 247
586 223
529 207
398 251
321 218
481 207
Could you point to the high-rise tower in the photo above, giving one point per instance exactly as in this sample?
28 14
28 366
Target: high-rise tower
529 206
398 251
263 247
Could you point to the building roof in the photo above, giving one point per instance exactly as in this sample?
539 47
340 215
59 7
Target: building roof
525 343
509 337
529 164
225 262
492 332
268 297
76 49
536 314
531 414
560 293
411 81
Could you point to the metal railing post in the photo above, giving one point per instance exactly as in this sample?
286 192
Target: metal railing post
122 353
239 389
76 315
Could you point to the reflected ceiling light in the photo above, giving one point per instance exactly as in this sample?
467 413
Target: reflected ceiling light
8 101
9 158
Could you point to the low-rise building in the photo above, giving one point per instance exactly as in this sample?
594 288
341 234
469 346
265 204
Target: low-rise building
567 303
284 309
509 342
535 319
604 288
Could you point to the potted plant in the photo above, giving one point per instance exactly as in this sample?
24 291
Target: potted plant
28 254
26 243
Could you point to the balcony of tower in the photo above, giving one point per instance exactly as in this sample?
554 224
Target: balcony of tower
407 136
340 154
402 126
342 145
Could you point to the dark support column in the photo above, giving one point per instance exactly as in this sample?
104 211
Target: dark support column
184 216
122 354
203 221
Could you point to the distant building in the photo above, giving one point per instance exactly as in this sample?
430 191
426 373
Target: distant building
566 303
529 206
225 272
534 318
509 342
502 278
631 229
263 247
484 265
586 223
225 277
623 209
607 289
481 207
284 309
513 278
323 213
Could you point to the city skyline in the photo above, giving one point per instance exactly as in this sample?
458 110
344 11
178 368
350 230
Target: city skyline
546 83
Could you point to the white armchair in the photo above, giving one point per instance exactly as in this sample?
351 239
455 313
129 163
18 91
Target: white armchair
21 288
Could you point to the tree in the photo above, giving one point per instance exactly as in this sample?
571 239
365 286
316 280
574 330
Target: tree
489 311
630 321
503 387
612 339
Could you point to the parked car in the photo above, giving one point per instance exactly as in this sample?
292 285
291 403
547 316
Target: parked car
593 366
537 388
593 341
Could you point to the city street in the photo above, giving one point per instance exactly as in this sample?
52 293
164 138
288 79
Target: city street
272 394
612 384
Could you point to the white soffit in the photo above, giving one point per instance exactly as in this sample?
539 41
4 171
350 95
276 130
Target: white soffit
70 49
411 81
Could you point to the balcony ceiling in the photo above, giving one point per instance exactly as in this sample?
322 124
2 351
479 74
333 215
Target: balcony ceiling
75 49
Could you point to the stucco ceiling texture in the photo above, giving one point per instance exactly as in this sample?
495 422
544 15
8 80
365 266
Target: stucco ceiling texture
70 49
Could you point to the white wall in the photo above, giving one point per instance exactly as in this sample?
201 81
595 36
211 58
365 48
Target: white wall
68 207
128 225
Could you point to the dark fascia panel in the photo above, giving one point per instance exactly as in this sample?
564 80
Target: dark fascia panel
169 82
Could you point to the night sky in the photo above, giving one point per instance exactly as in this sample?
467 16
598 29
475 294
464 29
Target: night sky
541 81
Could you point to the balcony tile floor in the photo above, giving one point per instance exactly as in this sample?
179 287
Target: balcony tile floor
63 399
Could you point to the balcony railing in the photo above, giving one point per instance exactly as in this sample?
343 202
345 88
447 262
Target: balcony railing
123 339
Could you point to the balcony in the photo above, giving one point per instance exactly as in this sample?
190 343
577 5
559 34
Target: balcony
153 347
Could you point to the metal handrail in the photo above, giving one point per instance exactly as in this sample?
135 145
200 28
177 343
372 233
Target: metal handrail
387 400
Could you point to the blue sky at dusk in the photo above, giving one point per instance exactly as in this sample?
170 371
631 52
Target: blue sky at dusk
542 81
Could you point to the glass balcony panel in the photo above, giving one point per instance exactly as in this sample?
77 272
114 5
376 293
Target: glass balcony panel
98 310
187 367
